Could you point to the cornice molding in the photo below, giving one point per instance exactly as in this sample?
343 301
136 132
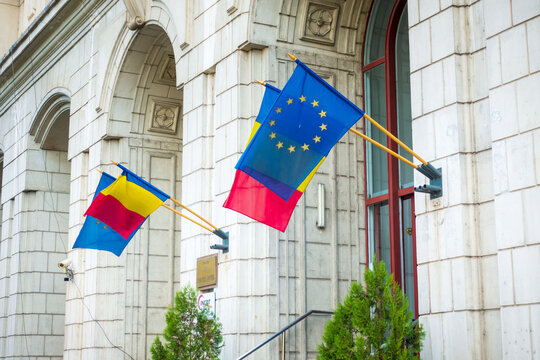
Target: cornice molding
66 22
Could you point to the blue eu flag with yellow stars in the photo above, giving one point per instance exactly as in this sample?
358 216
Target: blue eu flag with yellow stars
307 119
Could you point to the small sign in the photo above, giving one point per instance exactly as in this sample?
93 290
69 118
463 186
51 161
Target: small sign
207 301
207 271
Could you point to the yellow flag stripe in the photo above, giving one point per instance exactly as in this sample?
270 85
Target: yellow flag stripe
132 196
306 181
256 127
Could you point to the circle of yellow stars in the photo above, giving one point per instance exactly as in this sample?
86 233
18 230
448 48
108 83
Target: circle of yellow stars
279 145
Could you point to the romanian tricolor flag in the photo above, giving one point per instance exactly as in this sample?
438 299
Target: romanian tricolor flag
118 210
251 198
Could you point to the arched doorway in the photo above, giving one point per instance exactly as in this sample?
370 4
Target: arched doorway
146 126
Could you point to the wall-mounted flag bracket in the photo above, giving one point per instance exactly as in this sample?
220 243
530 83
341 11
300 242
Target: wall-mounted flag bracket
224 246
430 171
434 188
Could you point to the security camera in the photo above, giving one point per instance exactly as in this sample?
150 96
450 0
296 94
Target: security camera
64 264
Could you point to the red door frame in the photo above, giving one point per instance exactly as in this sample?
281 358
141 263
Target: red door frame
394 195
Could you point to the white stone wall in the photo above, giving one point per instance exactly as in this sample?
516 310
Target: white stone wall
474 71
513 64
471 119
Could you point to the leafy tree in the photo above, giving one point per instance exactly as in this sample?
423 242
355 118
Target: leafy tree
373 322
190 334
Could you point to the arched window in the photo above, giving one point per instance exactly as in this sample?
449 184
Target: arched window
389 183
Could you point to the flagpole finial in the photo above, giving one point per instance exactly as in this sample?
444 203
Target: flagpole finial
292 56
114 162
261 82
100 171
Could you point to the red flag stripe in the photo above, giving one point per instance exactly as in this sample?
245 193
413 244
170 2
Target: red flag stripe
251 198
112 213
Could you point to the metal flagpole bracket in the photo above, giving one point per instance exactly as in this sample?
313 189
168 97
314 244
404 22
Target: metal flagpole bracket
224 246
434 188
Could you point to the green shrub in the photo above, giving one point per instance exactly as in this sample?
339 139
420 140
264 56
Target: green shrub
190 334
373 322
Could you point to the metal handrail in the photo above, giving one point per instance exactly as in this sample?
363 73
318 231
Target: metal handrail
309 313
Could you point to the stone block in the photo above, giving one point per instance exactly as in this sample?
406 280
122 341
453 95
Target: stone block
497 14
432 86
416 94
506 277
484 176
422 272
524 9
533 38
509 220
492 337
489 282
54 345
440 280
413 12
455 231
528 106
481 123
448 131
514 54
442 33
460 331
520 160
515 328
526 264
502 103
427 8
500 169
420 48
531 209
535 330
56 303
493 62
433 343
466 284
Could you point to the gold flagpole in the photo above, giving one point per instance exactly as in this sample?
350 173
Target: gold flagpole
184 216
188 209
193 212
379 145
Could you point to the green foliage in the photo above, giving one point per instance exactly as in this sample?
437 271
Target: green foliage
190 334
373 322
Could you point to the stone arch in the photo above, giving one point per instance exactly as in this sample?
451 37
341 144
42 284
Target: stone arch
160 17
51 121
46 201
145 119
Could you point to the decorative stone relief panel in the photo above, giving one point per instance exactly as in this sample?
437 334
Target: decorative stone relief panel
320 22
166 73
163 117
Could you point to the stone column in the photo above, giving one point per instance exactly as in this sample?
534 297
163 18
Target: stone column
457 263
513 59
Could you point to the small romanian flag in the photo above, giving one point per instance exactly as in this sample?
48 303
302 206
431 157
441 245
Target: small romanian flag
118 210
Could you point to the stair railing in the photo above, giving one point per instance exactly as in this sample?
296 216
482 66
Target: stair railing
282 332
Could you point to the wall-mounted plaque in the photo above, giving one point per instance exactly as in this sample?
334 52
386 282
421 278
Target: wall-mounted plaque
207 272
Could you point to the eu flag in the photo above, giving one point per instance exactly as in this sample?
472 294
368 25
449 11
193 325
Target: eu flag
307 119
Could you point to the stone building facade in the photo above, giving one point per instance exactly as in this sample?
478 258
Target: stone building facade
167 88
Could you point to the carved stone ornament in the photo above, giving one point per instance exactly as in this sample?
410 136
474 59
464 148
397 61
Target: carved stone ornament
320 23
164 117
137 13
166 73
